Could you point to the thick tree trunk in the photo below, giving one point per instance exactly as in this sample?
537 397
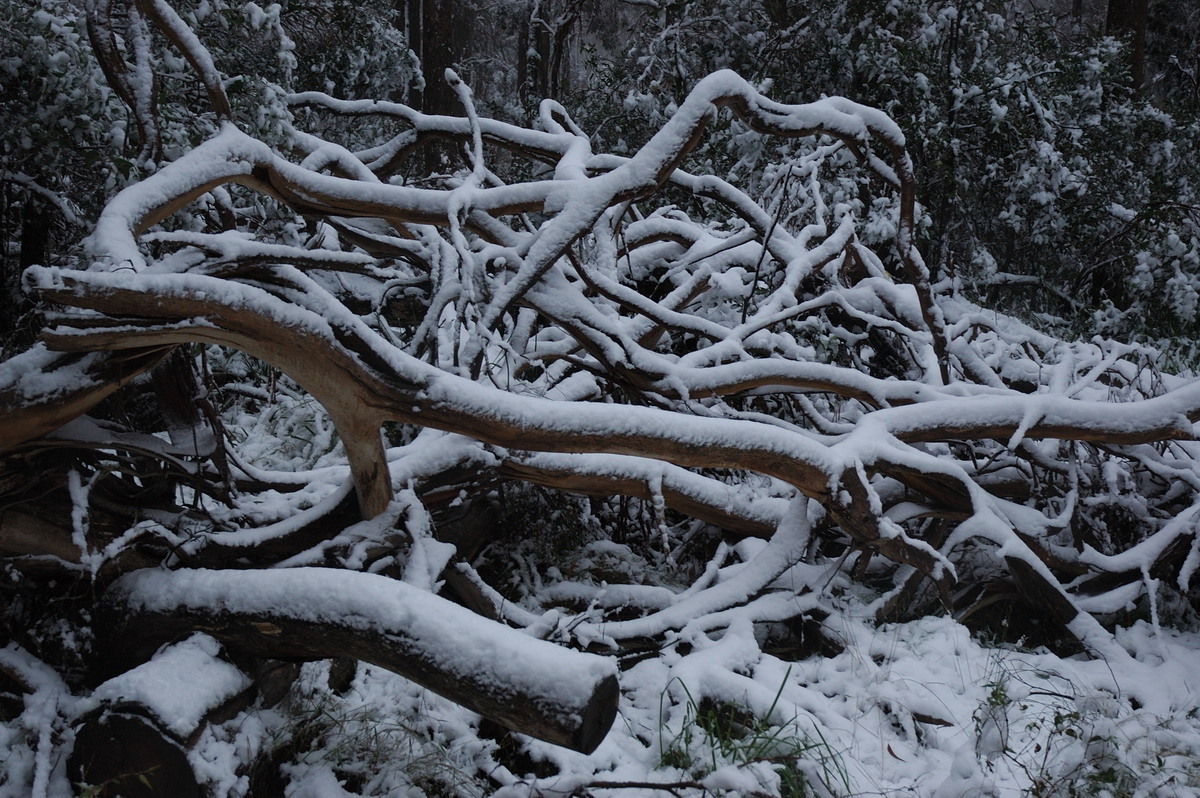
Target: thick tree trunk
435 34
35 236
126 755
1128 18
9 270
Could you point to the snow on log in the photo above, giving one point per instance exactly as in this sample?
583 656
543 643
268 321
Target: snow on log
133 739
181 686
528 685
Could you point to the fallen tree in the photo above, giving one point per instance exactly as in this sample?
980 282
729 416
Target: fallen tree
745 372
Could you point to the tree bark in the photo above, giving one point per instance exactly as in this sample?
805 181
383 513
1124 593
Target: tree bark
528 685
30 410
125 755
1128 19
435 35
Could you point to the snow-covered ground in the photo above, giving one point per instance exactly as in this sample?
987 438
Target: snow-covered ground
908 709
919 708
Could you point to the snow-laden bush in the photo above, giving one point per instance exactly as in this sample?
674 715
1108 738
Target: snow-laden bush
1047 185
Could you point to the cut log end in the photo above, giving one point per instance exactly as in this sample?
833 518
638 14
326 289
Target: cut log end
128 756
598 716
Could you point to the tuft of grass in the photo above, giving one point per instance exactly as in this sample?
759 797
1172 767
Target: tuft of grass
716 734
356 743
142 777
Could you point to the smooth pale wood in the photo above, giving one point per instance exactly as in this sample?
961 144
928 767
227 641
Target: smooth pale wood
26 415
360 392
334 375
27 534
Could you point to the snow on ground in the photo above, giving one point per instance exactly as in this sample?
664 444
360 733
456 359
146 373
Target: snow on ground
911 709
919 708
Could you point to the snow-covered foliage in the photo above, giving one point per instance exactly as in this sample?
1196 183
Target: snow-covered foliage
730 443
57 111
1047 184
92 96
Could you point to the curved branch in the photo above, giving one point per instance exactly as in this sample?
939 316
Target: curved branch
180 35
362 382
696 496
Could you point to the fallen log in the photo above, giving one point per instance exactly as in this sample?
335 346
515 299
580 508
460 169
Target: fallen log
120 755
133 740
531 686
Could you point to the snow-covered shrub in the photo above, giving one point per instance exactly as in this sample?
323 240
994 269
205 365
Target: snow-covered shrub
1046 184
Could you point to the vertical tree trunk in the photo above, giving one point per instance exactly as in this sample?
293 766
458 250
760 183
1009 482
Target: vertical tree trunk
8 273
35 236
1127 19
542 50
438 55
34 243
539 58
436 34
558 56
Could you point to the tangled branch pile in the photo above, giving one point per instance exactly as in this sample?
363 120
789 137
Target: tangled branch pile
604 326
